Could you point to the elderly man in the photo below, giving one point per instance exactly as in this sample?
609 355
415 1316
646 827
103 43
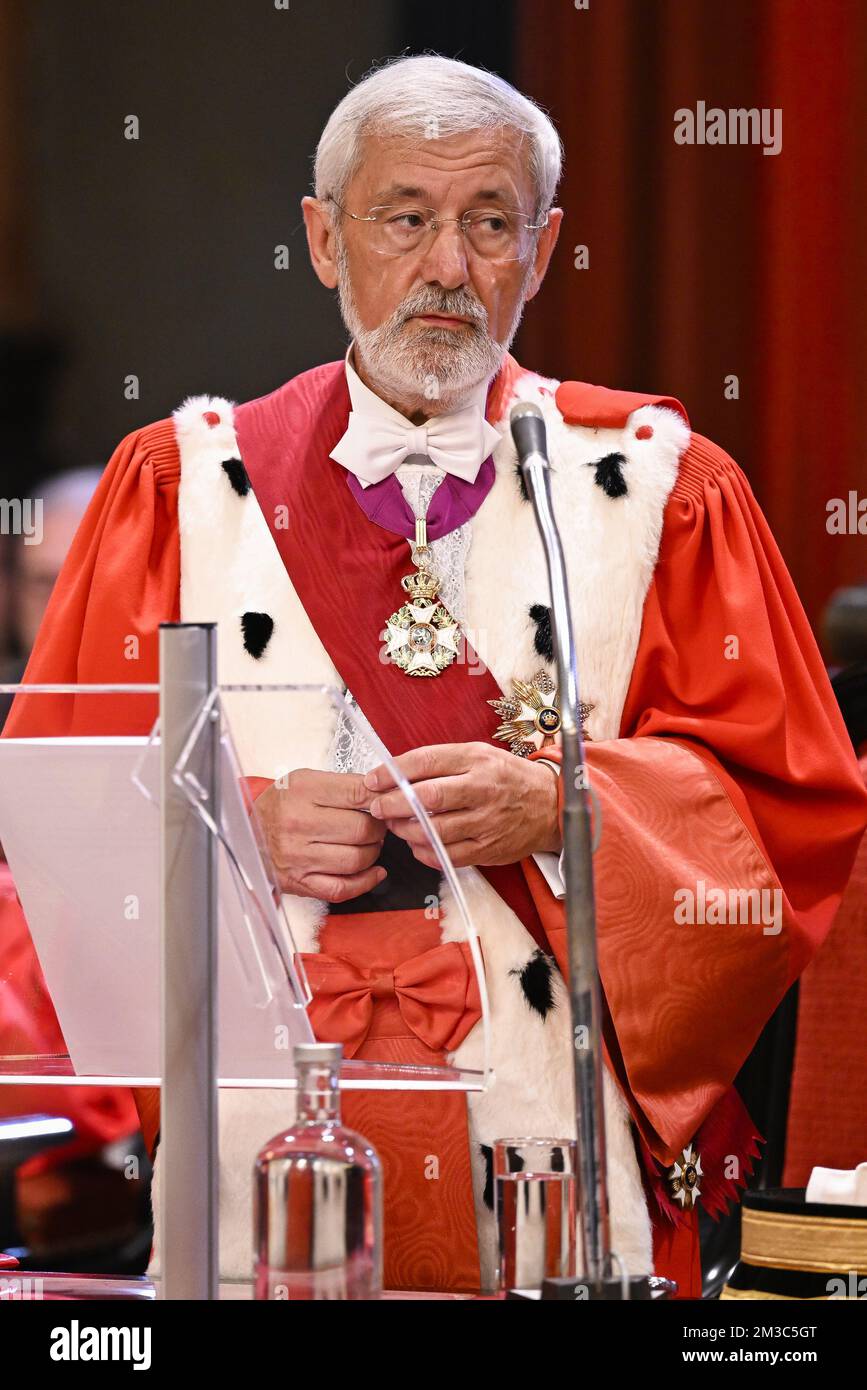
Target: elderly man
365 526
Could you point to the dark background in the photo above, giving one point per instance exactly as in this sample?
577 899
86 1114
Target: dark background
155 257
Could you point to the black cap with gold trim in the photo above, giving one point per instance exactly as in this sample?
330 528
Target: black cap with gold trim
791 1248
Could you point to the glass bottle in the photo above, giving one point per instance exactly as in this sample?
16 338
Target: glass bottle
318 1196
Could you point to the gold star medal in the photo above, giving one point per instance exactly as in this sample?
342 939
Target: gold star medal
531 715
422 635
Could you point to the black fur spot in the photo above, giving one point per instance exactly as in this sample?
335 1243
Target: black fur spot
543 641
535 980
488 1193
257 629
609 475
522 486
237 475
516 1165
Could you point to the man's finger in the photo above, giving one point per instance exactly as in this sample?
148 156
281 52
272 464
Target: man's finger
461 853
438 795
419 764
453 825
321 857
334 888
344 828
344 790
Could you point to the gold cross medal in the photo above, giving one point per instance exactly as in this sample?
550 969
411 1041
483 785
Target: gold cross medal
422 634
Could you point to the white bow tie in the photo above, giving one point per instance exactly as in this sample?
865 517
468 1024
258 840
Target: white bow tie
373 447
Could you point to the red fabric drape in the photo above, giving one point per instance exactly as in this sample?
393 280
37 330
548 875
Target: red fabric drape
712 261
121 579
828 1121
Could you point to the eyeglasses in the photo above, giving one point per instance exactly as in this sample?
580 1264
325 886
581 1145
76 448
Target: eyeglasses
496 234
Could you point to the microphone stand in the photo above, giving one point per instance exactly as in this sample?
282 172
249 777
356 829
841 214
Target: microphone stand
596 1281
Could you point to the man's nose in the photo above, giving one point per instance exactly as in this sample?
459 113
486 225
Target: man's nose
445 259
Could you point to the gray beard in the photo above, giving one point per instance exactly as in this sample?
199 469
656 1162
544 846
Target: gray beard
435 369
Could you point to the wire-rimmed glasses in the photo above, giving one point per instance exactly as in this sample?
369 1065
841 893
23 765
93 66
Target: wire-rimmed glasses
495 234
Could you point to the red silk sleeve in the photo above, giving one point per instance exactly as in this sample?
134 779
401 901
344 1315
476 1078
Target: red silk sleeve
120 580
733 772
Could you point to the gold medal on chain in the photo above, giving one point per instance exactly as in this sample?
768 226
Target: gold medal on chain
422 634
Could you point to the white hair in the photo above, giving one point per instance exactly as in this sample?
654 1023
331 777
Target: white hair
435 97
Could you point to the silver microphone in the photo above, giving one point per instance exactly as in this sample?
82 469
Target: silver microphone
528 431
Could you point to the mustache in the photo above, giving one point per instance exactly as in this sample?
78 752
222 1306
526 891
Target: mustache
458 303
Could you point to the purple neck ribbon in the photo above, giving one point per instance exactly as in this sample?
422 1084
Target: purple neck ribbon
454 502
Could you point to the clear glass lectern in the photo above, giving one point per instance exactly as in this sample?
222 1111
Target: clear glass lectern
153 945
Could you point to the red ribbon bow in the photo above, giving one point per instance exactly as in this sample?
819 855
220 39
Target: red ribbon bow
437 994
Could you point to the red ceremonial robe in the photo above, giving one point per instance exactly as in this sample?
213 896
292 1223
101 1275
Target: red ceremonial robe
769 757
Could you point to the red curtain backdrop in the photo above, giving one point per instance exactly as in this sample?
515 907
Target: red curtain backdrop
711 261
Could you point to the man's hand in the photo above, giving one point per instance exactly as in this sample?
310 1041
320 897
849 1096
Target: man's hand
489 806
322 839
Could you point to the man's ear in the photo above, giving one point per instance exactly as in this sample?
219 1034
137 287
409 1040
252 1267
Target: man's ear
544 251
320 240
